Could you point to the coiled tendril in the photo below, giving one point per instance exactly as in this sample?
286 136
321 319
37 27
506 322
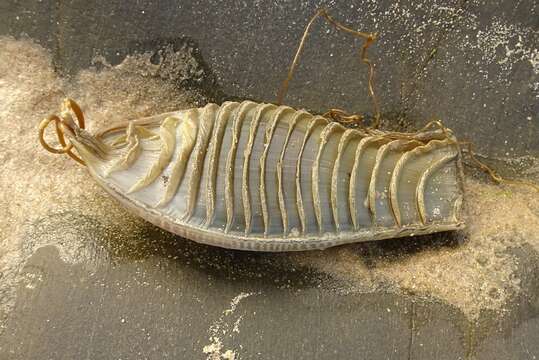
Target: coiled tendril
59 122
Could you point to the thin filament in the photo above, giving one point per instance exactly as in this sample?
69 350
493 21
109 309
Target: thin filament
66 147
368 38
492 173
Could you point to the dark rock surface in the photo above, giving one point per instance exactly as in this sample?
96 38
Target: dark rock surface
474 64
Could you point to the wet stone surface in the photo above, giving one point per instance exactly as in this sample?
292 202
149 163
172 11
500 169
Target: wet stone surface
471 63
153 295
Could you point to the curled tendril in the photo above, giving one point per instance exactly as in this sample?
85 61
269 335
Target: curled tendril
342 117
497 178
59 122
368 38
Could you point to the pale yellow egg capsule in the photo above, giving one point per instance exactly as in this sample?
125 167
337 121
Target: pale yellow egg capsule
271 178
